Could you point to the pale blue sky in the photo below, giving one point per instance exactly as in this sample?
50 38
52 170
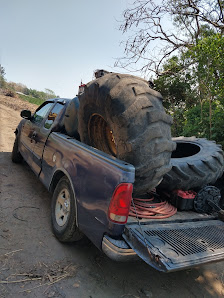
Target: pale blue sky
56 43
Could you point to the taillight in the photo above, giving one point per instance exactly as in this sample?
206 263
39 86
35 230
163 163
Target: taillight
120 203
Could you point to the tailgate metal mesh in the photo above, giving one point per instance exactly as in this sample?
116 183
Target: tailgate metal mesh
191 240
176 245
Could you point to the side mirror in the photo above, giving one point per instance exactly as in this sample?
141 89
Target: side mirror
26 114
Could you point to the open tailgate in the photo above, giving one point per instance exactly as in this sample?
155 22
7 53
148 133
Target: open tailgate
174 246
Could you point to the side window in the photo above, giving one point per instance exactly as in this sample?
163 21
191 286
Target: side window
52 115
42 112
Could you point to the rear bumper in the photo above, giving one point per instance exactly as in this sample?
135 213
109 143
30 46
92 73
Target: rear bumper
118 250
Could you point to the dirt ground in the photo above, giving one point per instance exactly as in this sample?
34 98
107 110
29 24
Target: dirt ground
34 264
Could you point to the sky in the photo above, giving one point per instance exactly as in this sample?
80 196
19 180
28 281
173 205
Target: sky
55 44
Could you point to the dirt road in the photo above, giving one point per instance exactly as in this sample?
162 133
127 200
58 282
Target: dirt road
34 264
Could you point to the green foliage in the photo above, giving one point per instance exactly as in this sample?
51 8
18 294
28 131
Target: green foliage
2 82
28 94
40 94
209 55
178 121
178 88
49 93
2 77
188 60
193 88
31 99
194 125
2 71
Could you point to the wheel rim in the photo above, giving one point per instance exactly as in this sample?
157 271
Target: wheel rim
62 207
101 135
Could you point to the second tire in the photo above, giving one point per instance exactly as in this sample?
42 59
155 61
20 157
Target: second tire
195 163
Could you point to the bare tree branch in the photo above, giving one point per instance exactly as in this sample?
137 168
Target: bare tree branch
161 30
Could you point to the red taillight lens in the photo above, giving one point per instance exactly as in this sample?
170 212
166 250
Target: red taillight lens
120 203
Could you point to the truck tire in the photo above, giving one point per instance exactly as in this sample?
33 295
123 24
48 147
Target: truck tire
63 213
16 156
122 116
195 163
71 118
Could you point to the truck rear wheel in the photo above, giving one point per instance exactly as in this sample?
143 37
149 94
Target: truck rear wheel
63 213
195 163
120 115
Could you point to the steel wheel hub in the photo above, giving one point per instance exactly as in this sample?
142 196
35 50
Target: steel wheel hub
62 207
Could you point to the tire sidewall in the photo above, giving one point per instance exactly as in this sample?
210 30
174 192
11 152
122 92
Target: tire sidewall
196 170
62 233
96 100
206 148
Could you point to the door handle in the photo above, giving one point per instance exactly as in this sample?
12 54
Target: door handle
34 134
33 137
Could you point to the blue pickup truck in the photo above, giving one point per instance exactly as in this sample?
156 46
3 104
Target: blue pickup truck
92 192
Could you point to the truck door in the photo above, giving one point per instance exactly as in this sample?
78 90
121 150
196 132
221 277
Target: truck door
41 134
29 131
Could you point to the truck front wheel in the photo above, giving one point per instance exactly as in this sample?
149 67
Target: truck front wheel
16 156
63 213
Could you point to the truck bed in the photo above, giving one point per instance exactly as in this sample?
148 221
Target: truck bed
180 216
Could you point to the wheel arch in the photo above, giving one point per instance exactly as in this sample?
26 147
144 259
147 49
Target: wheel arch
55 179
19 127
58 174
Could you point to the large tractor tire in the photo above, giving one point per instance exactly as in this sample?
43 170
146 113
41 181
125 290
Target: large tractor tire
71 118
120 115
195 163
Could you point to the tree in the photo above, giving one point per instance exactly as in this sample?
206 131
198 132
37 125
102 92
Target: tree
2 71
49 93
196 87
2 76
161 30
181 42
178 90
207 56
194 126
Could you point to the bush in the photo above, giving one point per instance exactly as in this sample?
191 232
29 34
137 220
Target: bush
36 101
10 93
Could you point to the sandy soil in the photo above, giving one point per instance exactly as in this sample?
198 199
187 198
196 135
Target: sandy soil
34 264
